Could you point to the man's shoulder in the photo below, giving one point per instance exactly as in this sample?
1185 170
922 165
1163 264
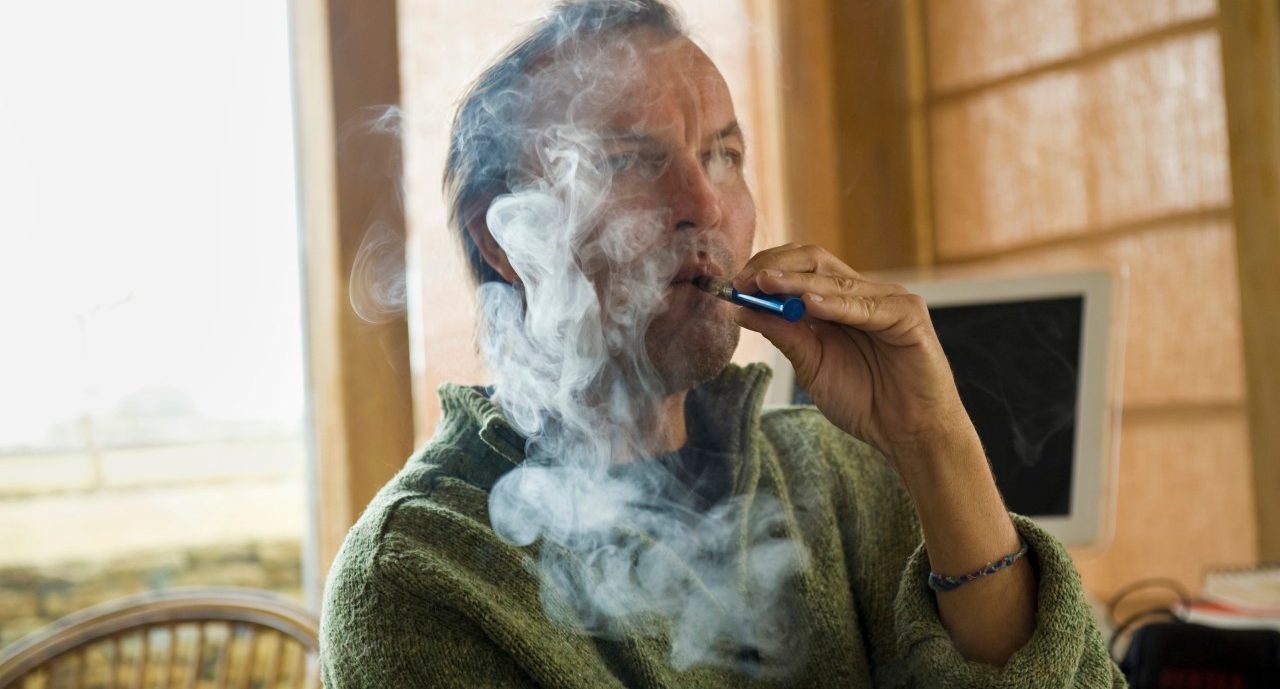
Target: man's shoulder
430 515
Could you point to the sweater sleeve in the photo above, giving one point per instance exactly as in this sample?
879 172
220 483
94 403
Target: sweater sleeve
1066 649
373 636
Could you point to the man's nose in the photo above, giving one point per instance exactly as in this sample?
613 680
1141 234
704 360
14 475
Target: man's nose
695 198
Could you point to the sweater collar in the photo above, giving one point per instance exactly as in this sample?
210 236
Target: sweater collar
724 413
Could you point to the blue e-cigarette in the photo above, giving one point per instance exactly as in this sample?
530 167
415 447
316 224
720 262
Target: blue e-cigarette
782 305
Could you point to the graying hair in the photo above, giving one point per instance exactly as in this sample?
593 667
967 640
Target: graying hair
484 143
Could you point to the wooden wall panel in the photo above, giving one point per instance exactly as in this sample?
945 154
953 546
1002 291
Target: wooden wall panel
1024 144
1136 137
1157 128
1184 500
973 41
803 98
1108 21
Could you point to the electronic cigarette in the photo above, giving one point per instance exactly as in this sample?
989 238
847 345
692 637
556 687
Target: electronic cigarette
781 305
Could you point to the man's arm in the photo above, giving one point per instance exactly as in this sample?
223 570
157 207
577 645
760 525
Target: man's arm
869 357
966 526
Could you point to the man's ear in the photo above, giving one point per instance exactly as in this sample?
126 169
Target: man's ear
490 251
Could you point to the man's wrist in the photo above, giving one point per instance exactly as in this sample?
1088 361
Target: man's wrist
939 456
962 515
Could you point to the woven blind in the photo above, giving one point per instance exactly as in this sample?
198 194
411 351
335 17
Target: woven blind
1085 132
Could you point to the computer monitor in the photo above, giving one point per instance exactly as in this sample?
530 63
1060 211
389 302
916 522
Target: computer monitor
1036 362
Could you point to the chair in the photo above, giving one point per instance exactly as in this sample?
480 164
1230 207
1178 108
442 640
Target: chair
186 638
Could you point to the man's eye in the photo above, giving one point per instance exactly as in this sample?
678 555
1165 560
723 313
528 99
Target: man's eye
645 164
726 157
621 162
722 162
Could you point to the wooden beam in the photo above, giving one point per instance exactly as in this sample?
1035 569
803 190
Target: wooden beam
346 68
916 57
801 105
852 140
878 132
1251 67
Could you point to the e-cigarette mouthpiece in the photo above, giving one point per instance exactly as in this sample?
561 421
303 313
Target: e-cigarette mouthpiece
782 305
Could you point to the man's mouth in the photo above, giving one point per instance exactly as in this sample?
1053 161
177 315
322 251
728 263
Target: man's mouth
693 271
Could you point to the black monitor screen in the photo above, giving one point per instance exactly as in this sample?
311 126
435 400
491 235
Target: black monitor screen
1017 367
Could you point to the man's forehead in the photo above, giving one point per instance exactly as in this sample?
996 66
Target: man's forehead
675 90
654 88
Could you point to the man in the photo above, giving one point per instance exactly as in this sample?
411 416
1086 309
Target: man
616 510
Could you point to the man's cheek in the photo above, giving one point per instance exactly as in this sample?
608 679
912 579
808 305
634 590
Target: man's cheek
744 236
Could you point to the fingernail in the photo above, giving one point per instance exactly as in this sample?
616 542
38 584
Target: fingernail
815 297
773 273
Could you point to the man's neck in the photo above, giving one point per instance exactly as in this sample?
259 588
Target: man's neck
669 433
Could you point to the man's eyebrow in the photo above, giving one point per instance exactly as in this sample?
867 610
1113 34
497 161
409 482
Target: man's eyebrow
632 136
732 129
627 136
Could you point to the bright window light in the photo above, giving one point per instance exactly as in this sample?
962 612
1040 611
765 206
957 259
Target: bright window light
149 259
151 351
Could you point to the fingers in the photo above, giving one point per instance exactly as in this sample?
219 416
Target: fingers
833 292
895 318
774 281
792 258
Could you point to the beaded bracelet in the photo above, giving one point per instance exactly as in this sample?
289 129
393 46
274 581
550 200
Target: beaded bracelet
942 584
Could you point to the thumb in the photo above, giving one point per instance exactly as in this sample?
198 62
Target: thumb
795 340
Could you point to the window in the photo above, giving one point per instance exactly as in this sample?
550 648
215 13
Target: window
151 368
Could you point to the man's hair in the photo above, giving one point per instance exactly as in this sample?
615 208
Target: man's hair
484 143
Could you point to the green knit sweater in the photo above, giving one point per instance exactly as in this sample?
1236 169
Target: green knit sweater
424 594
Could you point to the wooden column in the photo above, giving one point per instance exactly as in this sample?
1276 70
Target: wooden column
1251 66
799 115
852 143
347 68
878 69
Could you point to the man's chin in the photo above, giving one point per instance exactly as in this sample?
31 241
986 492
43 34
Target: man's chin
692 354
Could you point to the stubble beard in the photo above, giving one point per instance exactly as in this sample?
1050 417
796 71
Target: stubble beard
689 353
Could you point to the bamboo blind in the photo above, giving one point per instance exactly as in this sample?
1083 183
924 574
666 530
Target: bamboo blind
1065 133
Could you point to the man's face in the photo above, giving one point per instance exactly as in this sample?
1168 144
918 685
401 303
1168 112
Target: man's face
666 123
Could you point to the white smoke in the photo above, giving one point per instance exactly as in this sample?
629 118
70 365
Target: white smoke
621 551
377 286
376 289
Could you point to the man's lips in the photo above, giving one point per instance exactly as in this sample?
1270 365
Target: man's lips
691 271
